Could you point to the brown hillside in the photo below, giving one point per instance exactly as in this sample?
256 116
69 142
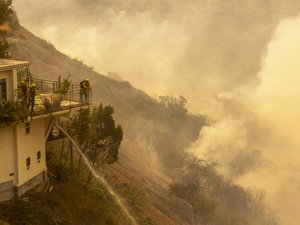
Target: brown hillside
155 137
48 63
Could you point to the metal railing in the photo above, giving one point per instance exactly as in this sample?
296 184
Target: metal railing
49 100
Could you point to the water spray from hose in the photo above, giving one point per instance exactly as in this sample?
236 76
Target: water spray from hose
99 178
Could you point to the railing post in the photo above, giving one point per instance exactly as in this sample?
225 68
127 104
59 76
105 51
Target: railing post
71 157
51 98
70 100
72 91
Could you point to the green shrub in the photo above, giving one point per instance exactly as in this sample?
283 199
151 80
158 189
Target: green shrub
10 111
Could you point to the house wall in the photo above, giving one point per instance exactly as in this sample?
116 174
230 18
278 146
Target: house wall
17 145
7 171
28 144
11 81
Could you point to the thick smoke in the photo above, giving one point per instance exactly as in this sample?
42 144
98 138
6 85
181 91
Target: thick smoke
279 108
200 49
191 48
255 140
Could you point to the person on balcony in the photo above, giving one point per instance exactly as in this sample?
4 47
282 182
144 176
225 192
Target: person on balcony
31 97
85 87
24 93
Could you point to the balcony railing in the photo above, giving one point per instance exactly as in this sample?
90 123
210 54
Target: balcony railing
48 100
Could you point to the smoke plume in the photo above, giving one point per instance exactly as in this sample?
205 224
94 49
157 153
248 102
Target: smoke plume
215 53
193 48
255 137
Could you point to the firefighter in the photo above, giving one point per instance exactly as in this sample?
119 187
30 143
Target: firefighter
85 87
24 93
31 97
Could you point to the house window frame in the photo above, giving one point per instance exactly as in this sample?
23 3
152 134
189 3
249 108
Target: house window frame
28 163
3 95
27 127
38 156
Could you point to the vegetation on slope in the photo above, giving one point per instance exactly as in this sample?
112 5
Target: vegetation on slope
217 201
97 135
69 202
5 12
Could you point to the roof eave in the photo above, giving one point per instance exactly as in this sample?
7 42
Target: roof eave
12 66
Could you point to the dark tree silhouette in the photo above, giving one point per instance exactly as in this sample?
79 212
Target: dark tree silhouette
5 12
4 48
98 135
216 200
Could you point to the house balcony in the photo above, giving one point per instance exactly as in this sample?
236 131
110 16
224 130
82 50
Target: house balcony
50 100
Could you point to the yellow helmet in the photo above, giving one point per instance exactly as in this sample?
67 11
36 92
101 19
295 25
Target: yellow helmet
33 85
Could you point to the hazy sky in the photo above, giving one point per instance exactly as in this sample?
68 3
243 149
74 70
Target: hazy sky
192 48
237 60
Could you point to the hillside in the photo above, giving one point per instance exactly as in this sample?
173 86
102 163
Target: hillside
48 63
140 114
155 136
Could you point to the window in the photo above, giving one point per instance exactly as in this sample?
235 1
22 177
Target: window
38 156
28 163
3 89
27 127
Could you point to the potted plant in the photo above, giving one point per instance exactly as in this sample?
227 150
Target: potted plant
60 93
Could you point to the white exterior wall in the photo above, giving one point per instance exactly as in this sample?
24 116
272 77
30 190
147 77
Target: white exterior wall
16 145
28 145
7 154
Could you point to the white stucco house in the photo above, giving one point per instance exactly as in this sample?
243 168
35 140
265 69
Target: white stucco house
22 142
